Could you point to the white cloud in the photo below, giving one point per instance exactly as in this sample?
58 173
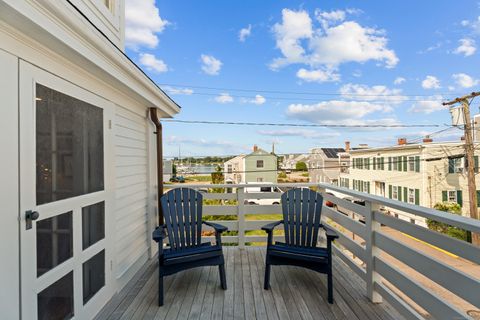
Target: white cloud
336 111
474 25
431 82
319 75
198 142
428 105
464 80
178 91
466 47
335 42
210 65
224 98
150 62
305 133
399 80
373 93
244 33
259 100
142 23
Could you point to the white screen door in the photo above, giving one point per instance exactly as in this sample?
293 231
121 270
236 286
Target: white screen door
65 195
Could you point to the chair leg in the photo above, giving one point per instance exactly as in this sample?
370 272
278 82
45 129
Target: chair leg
330 287
223 279
266 283
160 291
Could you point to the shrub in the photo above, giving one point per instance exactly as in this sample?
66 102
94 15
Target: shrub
444 228
301 166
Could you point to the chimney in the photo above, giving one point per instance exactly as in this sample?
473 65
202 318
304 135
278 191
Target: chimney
347 146
255 148
427 139
402 141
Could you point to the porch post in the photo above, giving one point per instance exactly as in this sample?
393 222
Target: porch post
371 251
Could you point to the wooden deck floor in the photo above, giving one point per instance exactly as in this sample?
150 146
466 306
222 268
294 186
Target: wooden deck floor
295 294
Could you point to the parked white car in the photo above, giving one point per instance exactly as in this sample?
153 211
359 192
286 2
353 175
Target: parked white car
261 201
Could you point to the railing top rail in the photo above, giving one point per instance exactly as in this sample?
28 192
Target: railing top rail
241 185
445 217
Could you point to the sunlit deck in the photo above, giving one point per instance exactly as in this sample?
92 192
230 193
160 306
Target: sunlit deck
295 293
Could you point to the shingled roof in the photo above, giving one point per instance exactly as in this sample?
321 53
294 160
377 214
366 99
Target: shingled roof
332 152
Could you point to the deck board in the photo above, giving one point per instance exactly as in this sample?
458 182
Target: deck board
295 293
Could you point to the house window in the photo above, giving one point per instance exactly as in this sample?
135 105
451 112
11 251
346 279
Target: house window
259 163
395 163
411 164
259 179
229 168
366 186
458 165
395 192
411 196
452 196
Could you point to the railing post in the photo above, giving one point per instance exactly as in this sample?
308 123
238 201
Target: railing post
241 216
371 251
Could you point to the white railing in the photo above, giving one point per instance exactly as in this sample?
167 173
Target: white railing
413 280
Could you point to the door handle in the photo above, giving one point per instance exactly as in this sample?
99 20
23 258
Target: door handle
29 217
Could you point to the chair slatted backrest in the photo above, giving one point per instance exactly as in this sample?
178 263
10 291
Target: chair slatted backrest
182 211
302 209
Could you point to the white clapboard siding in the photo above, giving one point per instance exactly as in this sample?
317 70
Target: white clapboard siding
131 185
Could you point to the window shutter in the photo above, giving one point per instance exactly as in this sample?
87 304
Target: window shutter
374 164
478 198
389 163
399 193
405 194
417 164
368 187
417 197
444 196
475 158
405 164
382 163
390 191
459 198
450 166
399 163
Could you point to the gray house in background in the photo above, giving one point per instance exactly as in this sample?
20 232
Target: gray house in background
167 170
326 164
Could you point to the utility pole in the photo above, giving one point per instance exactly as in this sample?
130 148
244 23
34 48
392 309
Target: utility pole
469 156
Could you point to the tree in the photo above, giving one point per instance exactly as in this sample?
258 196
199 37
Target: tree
444 228
301 166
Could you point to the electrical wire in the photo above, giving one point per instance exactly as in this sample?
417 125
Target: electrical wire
185 86
304 125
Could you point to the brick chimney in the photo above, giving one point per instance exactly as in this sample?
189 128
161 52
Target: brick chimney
427 139
255 148
347 146
402 141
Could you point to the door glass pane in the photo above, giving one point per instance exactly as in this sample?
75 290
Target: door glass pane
69 146
56 301
54 242
93 275
93 224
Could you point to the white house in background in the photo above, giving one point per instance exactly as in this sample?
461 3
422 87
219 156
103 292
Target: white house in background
326 164
423 173
78 183
167 170
258 166
290 161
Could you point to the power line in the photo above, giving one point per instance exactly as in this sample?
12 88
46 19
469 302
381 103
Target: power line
300 92
375 98
305 125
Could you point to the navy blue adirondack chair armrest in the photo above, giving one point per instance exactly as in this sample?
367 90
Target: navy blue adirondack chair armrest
159 233
218 231
331 234
218 227
269 227
269 230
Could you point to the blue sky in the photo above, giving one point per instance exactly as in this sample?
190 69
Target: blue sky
361 62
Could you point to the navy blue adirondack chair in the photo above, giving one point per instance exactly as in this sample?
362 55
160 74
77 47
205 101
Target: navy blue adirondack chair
302 209
182 211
